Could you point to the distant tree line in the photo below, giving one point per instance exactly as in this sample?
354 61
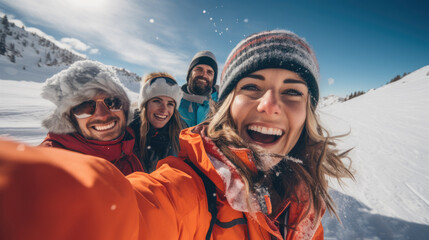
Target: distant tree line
397 77
353 95
3 32
358 93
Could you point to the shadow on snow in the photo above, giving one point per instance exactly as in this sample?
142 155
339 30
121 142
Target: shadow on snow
359 223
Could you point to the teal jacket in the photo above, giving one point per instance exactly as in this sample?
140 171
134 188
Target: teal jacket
194 108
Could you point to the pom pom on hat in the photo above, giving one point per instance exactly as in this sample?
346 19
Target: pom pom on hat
271 49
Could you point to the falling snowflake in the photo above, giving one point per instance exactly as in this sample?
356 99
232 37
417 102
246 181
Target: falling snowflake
226 29
20 147
151 20
204 11
211 19
246 20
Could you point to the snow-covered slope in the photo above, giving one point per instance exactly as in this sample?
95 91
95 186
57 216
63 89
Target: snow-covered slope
389 129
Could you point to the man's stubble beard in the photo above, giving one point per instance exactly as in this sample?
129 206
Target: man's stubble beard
197 89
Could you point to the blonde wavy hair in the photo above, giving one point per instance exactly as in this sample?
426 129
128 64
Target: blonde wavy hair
315 148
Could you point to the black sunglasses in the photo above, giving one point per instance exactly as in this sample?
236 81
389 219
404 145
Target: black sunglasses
168 80
87 108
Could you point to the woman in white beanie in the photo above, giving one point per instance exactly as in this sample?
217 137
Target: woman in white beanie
157 122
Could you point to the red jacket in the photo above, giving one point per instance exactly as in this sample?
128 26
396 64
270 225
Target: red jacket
118 151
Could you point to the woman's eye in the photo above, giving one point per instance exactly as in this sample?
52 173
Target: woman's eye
293 92
171 104
250 87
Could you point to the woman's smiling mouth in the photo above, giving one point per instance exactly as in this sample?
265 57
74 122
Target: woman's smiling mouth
265 135
160 117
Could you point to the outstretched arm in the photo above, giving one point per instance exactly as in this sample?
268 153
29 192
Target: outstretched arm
49 193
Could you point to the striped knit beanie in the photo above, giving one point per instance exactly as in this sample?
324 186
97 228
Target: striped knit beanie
271 49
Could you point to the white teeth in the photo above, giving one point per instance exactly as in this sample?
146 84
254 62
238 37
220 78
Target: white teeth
160 116
104 127
265 130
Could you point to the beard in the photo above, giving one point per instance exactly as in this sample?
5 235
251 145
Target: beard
200 86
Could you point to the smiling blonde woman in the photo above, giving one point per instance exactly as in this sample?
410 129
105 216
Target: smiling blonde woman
157 123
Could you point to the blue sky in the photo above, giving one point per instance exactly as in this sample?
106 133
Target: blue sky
359 44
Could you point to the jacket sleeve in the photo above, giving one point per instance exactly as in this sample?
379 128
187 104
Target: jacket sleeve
51 143
172 202
50 193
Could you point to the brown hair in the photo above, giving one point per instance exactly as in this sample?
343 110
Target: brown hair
174 125
174 128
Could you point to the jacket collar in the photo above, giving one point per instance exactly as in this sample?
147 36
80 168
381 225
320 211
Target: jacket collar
199 149
200 99
110 150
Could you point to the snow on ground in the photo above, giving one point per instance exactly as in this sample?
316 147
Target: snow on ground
21 111
389 131
25 69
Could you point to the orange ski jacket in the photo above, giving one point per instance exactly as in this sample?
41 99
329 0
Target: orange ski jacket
50 193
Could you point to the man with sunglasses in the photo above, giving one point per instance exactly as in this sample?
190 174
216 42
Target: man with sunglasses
91 115
199 89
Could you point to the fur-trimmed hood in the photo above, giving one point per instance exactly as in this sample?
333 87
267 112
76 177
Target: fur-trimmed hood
82 81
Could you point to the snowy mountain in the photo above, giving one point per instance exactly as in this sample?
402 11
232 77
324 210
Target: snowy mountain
388 131
29 56
329 100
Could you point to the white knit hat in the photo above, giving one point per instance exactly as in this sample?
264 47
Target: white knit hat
82 81
162 86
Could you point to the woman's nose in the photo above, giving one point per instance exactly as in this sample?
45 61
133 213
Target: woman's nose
163 106
269 103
